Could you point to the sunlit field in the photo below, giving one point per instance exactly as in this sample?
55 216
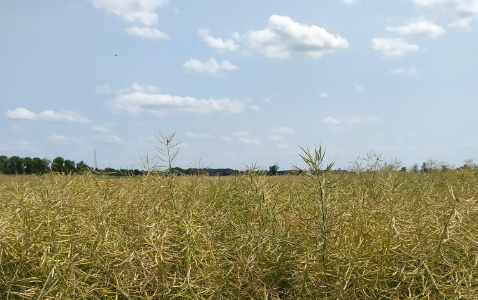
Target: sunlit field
378 234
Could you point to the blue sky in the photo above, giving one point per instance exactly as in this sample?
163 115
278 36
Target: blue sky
240 82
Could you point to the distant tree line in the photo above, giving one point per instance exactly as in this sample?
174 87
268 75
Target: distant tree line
38 166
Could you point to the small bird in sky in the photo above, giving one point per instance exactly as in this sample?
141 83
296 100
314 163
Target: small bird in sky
116 54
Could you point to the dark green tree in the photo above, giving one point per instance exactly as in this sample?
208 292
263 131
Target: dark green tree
40 166
15 165
28 165
273 169
81 167
424 167
58 164
3 164
69 166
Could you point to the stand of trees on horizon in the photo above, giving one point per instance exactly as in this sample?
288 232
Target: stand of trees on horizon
16 165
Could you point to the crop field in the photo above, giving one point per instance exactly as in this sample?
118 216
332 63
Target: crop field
375 234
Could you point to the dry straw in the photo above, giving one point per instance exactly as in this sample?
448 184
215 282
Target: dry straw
375 233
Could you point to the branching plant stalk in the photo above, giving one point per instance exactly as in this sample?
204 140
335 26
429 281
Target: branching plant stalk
168 150
319 180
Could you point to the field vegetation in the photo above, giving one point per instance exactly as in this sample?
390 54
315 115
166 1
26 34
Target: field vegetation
374 233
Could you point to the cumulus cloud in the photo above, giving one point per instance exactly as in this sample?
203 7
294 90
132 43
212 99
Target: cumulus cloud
255 108
342 124
359 87
393 47
99 128
134 11
140 100
282 130
108 138
279 132
412 72
455 13
199 135
245 138
60 139
47 115
146 32
217 43
423 28
284 38
211 67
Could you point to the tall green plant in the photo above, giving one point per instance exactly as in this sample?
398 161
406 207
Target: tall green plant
168 150
319 182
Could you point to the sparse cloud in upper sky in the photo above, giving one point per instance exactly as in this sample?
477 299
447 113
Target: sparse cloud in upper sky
147 32
141 12
411 72
393 47
423 28
210 67
134 11
217 43
22 113
140 101
284 38
455 13
349 123
246 138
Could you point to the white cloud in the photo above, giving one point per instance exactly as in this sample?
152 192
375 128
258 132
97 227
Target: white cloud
393 47
342 124
146 32
217 43
282 130
47 115
349 1
331 121
20 113
423 28
199 135
255 108
211 67
60 139
144 100
279 132
245 138
359 87
108 138
276 137
134 11
412 72
99 128
324 95
455 13
284 38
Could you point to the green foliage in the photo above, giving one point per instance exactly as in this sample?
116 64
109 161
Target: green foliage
273 170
